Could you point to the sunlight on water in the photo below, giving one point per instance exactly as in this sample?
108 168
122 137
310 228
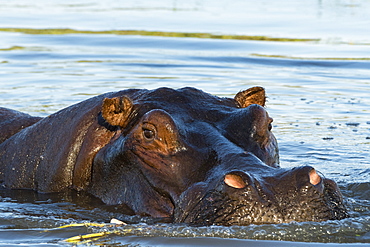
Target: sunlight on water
304 232
312 57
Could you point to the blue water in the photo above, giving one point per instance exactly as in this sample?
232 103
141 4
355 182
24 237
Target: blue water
318 96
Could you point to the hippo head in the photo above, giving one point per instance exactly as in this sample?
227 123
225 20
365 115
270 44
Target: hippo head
202 159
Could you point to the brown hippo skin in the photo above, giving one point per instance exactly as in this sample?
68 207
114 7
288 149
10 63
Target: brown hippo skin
180 154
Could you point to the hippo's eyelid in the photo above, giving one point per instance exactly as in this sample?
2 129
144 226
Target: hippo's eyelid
149 126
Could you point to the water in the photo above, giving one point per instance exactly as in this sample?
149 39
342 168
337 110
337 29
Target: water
313 60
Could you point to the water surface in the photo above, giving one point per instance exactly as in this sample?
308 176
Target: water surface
313 58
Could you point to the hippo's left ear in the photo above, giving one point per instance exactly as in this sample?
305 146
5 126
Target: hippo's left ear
116 110
254 95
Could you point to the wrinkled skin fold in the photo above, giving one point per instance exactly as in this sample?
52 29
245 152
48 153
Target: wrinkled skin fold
179 154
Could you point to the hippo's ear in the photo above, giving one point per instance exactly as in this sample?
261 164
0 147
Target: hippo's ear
254 95
116 110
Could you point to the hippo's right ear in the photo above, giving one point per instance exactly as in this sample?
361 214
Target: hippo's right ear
116 111
254 95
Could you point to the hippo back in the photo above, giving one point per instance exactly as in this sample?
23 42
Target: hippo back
11 122
45 155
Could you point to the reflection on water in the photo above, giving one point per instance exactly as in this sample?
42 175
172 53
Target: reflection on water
149 33
331 20
311 56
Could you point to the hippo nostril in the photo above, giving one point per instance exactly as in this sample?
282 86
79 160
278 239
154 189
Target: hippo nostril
307 175
315 179
235 181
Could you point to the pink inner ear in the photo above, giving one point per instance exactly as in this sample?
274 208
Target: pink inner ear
235 181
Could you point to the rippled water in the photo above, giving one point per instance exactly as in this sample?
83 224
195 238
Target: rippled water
313 58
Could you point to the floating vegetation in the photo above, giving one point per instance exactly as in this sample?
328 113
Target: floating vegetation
351 230
84 224
87 237
310 58
93 236
12 48
64 31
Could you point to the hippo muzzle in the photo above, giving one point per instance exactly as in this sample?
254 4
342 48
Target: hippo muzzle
239 198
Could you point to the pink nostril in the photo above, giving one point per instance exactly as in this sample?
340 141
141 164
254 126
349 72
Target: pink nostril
235 181
315 179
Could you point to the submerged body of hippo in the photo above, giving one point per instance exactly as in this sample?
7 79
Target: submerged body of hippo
182 154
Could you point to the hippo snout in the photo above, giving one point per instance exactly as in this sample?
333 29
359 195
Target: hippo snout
295 181
279 196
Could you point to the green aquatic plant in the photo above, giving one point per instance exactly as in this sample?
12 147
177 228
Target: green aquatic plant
310 58
12 48
63 31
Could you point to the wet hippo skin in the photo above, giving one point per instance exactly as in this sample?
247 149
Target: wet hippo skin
181 154
12 122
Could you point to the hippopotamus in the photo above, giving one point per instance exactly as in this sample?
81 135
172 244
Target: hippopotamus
183 154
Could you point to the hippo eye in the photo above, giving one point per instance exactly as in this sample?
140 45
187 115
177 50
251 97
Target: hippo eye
148 134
